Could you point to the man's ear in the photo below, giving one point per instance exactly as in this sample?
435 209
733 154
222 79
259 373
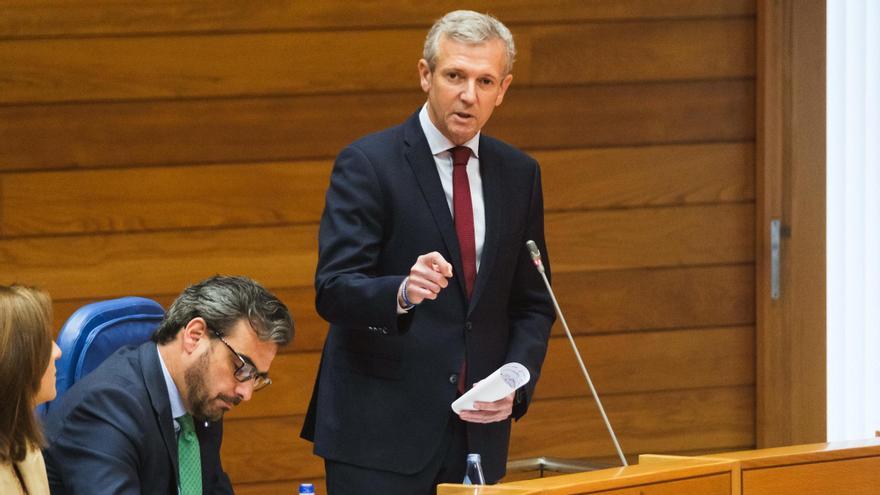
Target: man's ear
505 83
424 75
194 332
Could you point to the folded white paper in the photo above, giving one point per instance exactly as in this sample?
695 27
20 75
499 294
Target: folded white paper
498 385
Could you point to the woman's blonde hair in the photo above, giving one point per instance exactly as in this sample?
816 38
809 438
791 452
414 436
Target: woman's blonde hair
25 350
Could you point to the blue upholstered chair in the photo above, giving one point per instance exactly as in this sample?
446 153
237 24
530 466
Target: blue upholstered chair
96 330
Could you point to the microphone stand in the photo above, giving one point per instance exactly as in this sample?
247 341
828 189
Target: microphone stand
536 259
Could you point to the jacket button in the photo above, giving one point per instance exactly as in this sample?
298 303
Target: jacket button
467 325
453 378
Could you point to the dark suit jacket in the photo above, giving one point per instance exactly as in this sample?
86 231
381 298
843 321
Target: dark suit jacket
113 433
383 393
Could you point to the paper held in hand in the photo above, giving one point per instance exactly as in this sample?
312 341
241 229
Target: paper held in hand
503 382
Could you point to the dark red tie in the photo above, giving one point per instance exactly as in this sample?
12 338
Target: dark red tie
463 211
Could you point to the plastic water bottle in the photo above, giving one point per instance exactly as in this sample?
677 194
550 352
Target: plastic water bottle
306 489
473 475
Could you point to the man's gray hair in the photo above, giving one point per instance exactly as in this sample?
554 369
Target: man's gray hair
222 301
469 27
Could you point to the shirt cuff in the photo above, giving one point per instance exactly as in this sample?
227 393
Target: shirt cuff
400 309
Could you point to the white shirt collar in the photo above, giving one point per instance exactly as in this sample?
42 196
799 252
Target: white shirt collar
177 409
440 143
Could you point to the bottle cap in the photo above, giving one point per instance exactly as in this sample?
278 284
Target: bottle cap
306 489
473 457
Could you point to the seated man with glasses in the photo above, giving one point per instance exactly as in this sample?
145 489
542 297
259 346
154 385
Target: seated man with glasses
148 419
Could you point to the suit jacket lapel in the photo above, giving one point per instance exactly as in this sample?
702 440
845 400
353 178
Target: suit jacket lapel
155 382
420 159
490 173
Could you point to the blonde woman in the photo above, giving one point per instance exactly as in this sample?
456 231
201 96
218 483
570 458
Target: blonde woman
27 378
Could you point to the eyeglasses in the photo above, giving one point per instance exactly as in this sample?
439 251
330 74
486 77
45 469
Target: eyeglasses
246 371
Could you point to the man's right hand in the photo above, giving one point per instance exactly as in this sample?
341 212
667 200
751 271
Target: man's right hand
427 278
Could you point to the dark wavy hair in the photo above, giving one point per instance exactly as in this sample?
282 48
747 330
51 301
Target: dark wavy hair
224 300
25 350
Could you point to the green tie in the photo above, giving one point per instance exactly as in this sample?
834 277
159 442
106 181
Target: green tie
189 457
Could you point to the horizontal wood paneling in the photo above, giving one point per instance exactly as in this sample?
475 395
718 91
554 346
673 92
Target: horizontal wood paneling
637 51
287 128
619 364
268 449
649 175
79 201
635 238
63 18
119 200
658 298
594 302
115 265
656 422
333 62
149 263
650 361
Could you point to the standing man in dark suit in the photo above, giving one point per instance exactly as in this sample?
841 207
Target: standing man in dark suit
424 277
148 419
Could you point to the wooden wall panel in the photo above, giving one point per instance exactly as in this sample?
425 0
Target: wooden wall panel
147 145
620 177
60 17
145 263
595 302
621 300
653 422
160 198
657 422
152 67
286 128
619 364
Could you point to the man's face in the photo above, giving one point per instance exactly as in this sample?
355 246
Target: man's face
466 85
211 387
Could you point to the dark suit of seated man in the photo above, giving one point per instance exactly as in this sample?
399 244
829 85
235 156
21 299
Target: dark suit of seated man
127 427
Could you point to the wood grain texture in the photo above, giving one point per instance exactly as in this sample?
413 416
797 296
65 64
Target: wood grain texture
650 361
791 174
619 364
849 477
150 263
150 67
136 264
658 422
621 177
650 237
718 484
307 127
107 17
594 302
161 198
611 301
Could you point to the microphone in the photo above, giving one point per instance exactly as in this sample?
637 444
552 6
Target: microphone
535 254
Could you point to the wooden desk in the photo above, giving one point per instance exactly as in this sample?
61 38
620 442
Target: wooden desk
843 468
672 476
839 468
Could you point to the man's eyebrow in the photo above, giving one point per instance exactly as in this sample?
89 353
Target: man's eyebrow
250 361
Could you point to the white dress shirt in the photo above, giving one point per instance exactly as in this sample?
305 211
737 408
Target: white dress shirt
440 146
